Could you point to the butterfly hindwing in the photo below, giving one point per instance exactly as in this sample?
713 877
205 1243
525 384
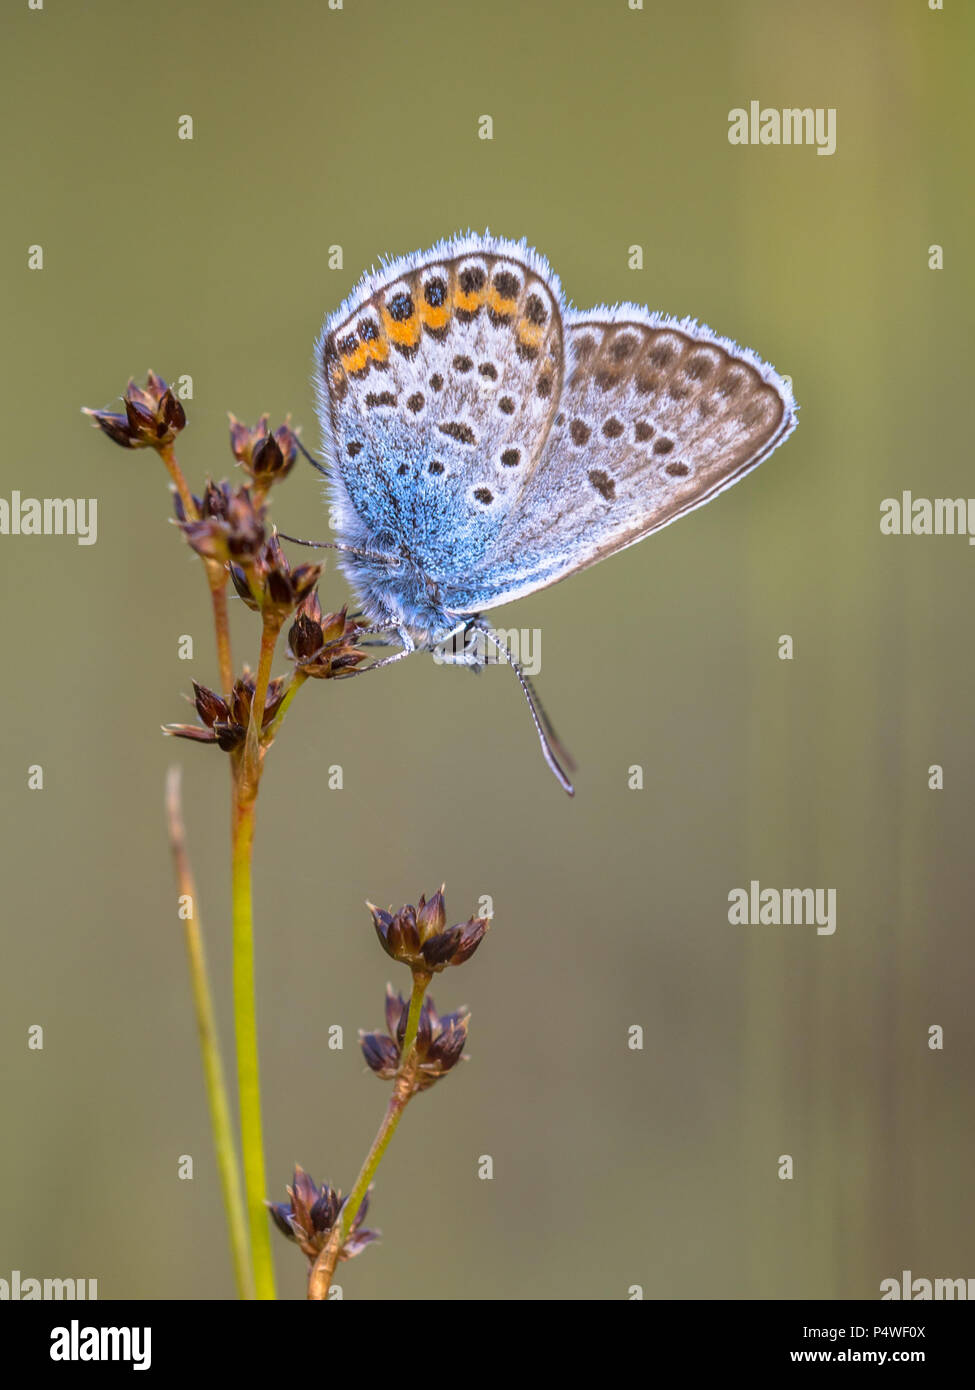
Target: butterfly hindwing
439 380
656 417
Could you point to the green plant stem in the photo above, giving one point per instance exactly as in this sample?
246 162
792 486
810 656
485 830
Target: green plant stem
247 777
250 771
297 681
216 1085
245 1026
420 984
323 1270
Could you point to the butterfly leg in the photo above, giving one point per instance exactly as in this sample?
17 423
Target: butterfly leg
383 629
468 654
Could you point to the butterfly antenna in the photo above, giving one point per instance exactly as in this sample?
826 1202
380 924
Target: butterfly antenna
312 460
552 748
392 560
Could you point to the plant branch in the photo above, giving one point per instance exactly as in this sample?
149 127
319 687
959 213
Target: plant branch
250 772
297 681
245 1023
217 580
247 777
323 1270
216 1085
182 487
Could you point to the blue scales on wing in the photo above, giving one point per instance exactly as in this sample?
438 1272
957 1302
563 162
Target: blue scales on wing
438 383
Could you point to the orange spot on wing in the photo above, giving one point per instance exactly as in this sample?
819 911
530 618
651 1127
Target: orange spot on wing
406 331
499 305
469 301
355 361
435 315
530 334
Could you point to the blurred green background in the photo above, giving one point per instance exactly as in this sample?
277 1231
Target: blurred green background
613 1167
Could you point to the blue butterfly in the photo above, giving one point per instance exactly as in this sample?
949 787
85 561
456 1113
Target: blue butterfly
484 440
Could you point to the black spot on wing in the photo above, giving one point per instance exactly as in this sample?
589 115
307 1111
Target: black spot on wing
456 429
401 307
603 484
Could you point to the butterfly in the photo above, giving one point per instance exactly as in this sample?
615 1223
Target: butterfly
485 440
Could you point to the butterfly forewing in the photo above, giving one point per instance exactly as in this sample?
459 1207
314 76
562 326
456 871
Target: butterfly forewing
441 378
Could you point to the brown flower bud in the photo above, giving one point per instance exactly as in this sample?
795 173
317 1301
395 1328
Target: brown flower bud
440 1042
266 457
323 645
225 722
310 1215
229 524
419 938
153 416
269 585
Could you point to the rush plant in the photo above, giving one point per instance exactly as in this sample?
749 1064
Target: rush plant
228 526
